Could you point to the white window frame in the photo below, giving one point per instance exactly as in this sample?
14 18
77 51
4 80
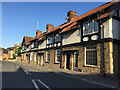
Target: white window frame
31 56
86 58
35 57
93 26
47 56
56 57
32 45
49 37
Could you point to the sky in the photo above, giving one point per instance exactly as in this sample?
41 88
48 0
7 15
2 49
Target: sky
20 19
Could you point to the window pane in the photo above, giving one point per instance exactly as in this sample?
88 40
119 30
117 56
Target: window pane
96 26
91 55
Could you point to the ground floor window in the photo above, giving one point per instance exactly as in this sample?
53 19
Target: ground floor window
91 55
48 56
31 56
57 56
35 57
76 59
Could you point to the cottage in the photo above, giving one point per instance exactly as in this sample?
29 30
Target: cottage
87 43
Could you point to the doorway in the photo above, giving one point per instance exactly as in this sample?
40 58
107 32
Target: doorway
42 59
68 61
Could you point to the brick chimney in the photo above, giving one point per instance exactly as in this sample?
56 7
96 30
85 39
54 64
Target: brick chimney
49 27
71 15
38 33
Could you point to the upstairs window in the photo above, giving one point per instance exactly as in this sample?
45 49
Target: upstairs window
57 37
36 44
32 45
50 39
90 27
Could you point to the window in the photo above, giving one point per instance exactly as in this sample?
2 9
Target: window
36 44
90 27
91 55
57 37
76 59
57 56
48 56
32 46
24 56
35 57
31 56
50 39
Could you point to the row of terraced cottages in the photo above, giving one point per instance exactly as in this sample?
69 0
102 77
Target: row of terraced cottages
87 43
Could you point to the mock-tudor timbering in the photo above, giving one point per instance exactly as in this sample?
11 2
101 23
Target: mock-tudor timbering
87 43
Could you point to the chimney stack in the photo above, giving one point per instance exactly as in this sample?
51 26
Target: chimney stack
49 27
71 15
38 33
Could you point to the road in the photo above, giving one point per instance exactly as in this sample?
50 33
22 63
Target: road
18 76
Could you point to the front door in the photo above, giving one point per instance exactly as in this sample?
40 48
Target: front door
68 61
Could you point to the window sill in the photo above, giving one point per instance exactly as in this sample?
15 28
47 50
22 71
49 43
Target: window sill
47 62
90 33
56 62
90 66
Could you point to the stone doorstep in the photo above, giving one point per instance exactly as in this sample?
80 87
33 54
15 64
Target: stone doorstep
80 75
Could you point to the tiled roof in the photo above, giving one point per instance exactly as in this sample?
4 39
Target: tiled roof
72 26
110 11
42 38
100 8
37 36
27 40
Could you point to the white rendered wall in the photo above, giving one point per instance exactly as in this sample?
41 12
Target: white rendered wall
71 37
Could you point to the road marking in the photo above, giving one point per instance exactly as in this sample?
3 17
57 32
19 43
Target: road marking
35 85
44 84
17 66
98 83
26 72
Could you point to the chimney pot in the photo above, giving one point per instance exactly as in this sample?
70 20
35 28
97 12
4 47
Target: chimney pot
38 33
71 15
49 27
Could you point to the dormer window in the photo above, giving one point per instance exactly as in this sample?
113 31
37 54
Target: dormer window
90 27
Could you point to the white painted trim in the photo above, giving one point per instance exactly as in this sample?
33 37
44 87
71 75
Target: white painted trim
85 56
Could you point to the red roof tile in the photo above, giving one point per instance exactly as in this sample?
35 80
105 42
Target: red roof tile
84 15
38 36
42 38
27 40
72 26
89 13
110 11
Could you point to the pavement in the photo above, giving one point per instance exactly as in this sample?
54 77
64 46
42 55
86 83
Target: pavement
105 82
